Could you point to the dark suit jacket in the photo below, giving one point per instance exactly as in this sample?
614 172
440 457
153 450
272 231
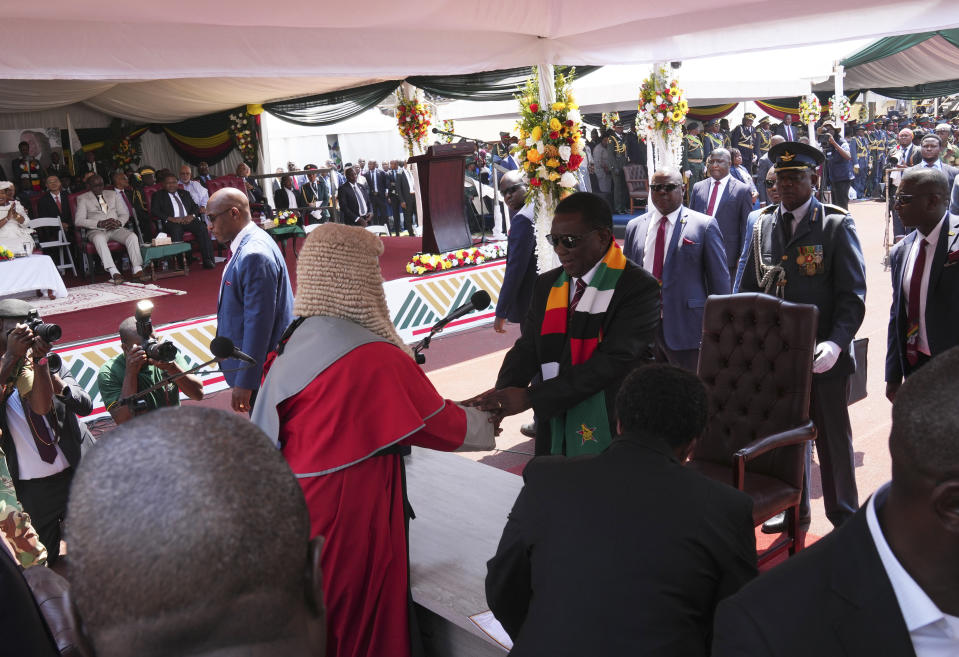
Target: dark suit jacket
382 183
47 207
629 330
520 274
838 290
161 205
695 267
403 190
349 206
588 564
256 191
942 299
780 130
832 600
322 193
732 209
281 201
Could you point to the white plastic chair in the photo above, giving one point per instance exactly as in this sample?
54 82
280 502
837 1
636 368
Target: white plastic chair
61 243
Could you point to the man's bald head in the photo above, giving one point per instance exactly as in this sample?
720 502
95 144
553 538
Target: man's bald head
776 139
188 533
229 212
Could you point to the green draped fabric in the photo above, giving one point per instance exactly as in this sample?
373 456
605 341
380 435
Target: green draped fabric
892 45
324 109
920 91
488 85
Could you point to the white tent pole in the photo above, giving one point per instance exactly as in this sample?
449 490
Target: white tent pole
839 74
264 144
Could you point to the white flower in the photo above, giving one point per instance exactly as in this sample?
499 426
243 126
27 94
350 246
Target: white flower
565 152
659 99
574 115
659 116
567 180
540 147
541 172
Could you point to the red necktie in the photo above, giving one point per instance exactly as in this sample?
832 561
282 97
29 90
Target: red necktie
712 199
56 197
46 446
912 312
660 253
577 295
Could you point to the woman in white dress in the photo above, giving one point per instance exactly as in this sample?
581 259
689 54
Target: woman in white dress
15 234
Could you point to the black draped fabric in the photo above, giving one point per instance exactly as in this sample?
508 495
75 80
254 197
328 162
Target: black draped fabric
324 109
503 84
920 91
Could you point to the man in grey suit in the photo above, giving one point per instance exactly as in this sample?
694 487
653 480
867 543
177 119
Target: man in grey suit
104 216
684 250
727 200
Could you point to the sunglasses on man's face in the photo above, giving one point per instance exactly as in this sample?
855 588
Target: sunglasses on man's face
906 199
567 241
664 187
770 184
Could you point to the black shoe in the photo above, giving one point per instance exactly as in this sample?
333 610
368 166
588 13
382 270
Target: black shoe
528 430
208 264
777 524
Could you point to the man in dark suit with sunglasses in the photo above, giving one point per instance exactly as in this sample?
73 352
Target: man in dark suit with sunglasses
584 332
684 250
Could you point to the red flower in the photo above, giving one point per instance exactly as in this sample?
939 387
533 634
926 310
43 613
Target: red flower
535 182
569 123
575 160
534 107
562 168
554 135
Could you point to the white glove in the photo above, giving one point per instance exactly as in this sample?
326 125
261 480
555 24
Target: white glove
827 353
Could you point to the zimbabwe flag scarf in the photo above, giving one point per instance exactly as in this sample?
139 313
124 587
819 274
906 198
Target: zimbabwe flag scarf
584 428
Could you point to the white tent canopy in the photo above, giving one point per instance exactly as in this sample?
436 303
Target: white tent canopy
173 60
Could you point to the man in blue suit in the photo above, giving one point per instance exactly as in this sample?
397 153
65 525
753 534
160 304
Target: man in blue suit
520 275
727 200
772 194
924 318
684 250
810 253
256 300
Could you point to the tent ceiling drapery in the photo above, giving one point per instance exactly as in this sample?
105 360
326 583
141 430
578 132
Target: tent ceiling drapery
179 59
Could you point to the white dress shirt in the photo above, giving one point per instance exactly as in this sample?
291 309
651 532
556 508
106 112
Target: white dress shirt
933 633
719 194
587 278
652 228
922 345
177 203
197 192
291 199
28 457
360 201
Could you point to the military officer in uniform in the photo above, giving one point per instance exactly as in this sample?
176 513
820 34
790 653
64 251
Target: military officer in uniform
809 252
713 138
693 156
763 135
501 148
744 138
950 152
877 139
859 148
617 161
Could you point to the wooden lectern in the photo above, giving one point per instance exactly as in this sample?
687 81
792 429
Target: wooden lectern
441 171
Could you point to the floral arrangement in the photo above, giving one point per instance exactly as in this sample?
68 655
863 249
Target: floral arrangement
426 263
5 254
609 120
240 126
412 121
840 108
551 144
126 153
284 217
662 111
810 109
448 127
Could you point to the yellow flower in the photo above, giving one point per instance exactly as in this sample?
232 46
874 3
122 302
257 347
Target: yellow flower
558 106
554 176
552 163
533 155
677 116
537 133
554 124
523 134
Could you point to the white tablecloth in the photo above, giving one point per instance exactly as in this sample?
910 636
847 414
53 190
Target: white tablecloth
35 272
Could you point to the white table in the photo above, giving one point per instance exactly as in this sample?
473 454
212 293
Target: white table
32 273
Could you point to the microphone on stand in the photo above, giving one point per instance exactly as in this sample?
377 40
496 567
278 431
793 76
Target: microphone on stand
479 301
437 131
222 347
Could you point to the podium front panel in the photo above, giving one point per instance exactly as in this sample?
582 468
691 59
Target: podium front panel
447 214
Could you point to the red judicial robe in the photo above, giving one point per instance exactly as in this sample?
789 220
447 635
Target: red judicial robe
372 397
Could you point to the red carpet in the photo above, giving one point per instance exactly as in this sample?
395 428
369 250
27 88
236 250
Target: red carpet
202 287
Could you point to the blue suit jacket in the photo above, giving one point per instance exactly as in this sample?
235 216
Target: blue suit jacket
942 299
733 207
520 275
741 265
255 307
695 267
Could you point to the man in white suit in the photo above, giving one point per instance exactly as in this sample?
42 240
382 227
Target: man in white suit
104 217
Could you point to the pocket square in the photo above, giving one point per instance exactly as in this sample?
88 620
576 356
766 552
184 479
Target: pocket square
952 257
686 240
226 282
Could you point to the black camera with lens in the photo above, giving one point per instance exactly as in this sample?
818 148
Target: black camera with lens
159 351
48 332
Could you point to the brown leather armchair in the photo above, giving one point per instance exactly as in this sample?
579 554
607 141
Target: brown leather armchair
756 361
637 185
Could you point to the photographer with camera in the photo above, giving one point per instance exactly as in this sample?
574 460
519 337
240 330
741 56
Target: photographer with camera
145 361
838 169
40 434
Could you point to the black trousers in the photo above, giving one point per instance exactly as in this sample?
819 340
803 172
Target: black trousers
45 500
840 193
200 234
829 411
